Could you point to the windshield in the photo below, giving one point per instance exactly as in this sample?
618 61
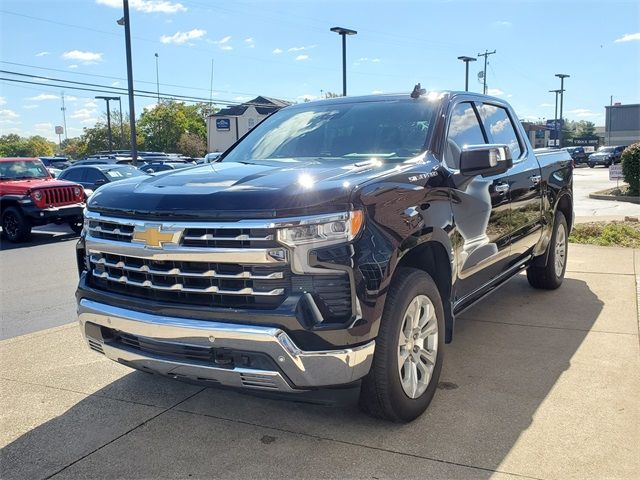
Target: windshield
606 149
393 129
122 172
21 169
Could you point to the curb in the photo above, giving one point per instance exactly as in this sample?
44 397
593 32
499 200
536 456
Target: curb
618 198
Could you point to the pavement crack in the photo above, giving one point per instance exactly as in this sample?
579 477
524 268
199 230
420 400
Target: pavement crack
354 444
123 434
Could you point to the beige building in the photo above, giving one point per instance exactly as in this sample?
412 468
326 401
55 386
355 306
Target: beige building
226 126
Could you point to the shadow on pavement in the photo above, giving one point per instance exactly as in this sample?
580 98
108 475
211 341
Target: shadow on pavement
495 378
38 238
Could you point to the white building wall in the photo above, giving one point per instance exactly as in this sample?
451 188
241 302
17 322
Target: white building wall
218 140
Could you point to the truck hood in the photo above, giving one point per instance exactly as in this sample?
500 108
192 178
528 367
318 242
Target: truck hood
242 190
24 186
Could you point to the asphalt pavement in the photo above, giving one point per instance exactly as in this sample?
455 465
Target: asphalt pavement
589 180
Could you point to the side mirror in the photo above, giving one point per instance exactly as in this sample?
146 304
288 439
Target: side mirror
100 181
485 160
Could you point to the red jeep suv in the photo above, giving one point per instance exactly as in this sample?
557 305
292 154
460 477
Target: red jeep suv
29 196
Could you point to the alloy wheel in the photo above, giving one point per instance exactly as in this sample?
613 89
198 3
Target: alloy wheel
560 250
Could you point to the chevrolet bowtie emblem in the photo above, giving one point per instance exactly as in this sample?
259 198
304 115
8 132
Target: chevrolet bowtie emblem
154 236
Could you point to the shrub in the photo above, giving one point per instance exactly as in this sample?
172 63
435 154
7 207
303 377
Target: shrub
631 168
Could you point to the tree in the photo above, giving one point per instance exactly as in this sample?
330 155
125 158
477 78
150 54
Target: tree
74 148
13 145
163 125
585 128
631 168
192 145
96 138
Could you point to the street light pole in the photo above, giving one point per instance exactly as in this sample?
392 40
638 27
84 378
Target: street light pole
561 76
466 61
157 79
484 73
132 110
106 99
121 127
555 116
343 32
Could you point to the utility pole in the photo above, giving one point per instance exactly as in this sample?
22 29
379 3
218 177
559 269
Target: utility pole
121 126
211 90
64 116
106 99
484 73
466 61
157 79
132 108
343 32
555 116
561 76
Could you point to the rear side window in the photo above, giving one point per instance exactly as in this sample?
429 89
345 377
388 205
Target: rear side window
92 175
498 126
73 175
464 129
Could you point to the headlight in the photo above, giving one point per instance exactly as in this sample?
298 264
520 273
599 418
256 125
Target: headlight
77 192
329 229
37 195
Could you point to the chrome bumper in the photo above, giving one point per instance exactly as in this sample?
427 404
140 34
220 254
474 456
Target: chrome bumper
298 369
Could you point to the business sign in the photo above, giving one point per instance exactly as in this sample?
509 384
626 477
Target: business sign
554 127
59 130
585 141
223 124
615 172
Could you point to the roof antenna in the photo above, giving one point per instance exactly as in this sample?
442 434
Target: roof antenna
417 91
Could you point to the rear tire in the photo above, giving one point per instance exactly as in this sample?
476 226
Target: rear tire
14 226
409 350
550 276
591 165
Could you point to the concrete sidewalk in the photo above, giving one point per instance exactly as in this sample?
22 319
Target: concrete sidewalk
535 385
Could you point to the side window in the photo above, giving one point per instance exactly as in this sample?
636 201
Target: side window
464 129
498 126
73 175
92 175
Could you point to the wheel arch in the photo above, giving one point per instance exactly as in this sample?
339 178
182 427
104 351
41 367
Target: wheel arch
434 258
565 205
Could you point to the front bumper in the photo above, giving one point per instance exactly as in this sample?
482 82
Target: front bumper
290 370
600 161
41 216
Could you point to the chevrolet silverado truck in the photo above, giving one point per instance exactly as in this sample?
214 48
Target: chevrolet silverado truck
30 196
334 244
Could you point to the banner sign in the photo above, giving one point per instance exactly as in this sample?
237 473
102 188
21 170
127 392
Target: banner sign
223 124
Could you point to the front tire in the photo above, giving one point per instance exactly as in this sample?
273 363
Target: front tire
409 350
550 276
14 226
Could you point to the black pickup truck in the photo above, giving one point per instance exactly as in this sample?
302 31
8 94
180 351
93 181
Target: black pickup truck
335 243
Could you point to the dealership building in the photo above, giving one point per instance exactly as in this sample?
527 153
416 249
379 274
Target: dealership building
226 126
622 124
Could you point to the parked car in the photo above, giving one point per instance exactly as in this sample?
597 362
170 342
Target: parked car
341 251
54 172
210 157
93 176
578 154
156 166
30 196
606 156
56 162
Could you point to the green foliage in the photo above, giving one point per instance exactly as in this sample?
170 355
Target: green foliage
584 128
74 148
614 234
191 145
631 168
163 125
13 145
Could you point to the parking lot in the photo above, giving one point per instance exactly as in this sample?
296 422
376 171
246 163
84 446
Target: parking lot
536 385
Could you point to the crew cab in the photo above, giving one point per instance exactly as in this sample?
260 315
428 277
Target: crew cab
606 156
335 243
30 196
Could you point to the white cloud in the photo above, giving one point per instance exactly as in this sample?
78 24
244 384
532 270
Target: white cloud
223 43
43 96
70 98
115 84
495 92
377 92
583 113
546 105
30 107
74 66
502 23
366 60
226 47
300 49
249 42
43 127
241 98
89 121
147 6
8 114
183 37
90 104
375 60
3 101
223 40
83 113
42 54
499 126
277 51
629 37
84 57
307 97
302 57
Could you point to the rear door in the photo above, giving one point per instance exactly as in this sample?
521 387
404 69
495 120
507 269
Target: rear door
523 179
480 207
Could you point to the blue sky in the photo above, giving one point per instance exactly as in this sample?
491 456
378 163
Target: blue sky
285 50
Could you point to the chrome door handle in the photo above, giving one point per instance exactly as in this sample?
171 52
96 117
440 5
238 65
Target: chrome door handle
501 188
535 179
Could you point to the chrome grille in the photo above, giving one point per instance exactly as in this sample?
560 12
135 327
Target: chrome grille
58 196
